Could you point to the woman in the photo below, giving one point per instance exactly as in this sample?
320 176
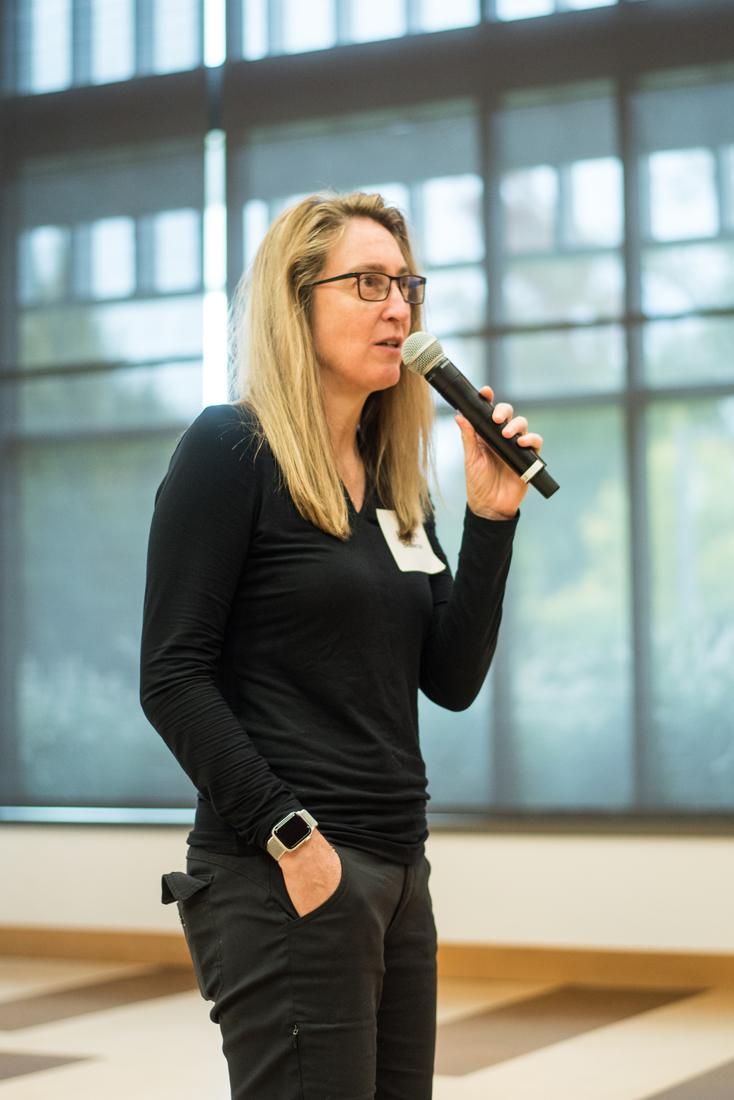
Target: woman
285 637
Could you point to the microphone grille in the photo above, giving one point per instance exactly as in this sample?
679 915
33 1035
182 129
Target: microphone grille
420 351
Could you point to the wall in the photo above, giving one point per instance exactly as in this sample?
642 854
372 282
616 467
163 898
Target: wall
661 893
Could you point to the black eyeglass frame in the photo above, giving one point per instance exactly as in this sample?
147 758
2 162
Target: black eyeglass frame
420 281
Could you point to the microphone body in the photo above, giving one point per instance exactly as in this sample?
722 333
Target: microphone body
424 355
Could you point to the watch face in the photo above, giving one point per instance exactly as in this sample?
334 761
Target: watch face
292 831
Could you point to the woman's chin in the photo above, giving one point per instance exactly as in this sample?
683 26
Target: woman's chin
387 376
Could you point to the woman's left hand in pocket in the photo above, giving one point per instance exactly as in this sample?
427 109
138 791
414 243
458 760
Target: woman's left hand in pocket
312 872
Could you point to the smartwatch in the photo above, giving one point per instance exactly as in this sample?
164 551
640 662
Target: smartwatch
292 831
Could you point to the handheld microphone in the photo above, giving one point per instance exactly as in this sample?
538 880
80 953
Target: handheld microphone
423 354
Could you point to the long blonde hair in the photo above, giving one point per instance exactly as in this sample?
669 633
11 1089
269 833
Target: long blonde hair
278 374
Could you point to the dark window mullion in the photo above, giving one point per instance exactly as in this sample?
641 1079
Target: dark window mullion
636 442
724 195
644 206
11 640
81 42
81 261
276 21
21 15
494 256
144 255
343 22
503 779
563 221
9 33
201 42
234 231
144 32
234 23
413 21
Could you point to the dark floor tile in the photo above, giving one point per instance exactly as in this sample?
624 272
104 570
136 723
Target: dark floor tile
45 1008
509 1031
717 1084
13 1064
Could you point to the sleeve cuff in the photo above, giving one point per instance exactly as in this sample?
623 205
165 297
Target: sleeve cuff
491 527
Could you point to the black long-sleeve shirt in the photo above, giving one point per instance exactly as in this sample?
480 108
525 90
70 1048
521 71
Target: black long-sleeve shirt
281 665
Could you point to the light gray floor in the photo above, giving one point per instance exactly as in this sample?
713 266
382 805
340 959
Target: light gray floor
86 1030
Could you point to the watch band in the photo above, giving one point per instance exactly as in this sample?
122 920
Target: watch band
276 848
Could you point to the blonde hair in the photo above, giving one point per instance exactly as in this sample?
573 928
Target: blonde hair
278 374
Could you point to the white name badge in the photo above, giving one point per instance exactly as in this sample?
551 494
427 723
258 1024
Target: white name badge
416 556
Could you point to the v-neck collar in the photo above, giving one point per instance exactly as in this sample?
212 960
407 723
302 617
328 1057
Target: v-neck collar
367 501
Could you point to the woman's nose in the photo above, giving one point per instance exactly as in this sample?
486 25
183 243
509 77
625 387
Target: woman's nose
395 304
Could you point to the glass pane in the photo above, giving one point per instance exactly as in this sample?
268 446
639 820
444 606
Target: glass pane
690 351
364 149
112 258
134 181
133 397
529 202
595 202
546 363
455 300
255 28
469 355
177 250
690 463
49 63
452 229
456 746
85 510
44 264
457 750
309 26
573 288
127 331
523 9
176 36
683 200
394 194
437 15
113 45
568 617
373 19
255 219
687 110
679 278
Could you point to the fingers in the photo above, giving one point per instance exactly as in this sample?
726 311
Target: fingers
469 436
514 426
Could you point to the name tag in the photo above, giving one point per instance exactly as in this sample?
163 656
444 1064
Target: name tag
416 556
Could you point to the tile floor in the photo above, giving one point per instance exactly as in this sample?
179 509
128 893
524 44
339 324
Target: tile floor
93 1030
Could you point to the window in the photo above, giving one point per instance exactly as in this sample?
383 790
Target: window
575 219
109 348
287 26
60 43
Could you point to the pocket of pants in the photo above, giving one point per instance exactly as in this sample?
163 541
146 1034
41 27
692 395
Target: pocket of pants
279 893
191 894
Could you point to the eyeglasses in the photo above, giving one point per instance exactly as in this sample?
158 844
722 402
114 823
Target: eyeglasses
375 286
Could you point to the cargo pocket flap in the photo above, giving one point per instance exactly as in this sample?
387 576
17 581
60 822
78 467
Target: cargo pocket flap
177 886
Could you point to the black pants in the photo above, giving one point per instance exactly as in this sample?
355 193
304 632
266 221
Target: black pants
337 1005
